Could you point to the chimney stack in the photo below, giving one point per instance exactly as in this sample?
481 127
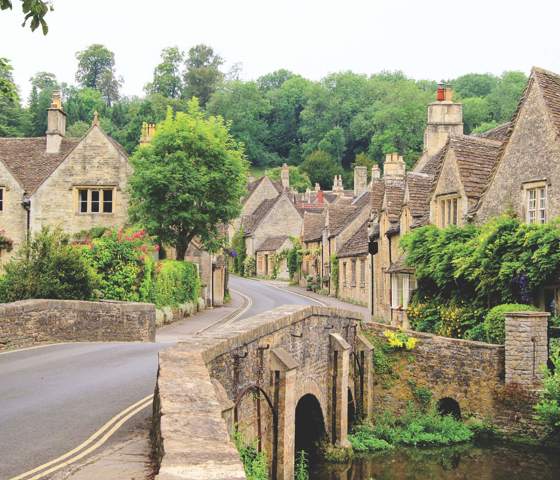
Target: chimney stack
148 131
394 166
317 186
56 124
375 172
360 180
337 184
285 176
320 197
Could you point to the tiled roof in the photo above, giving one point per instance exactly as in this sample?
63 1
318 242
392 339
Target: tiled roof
549 83
272 244
250 222
357 245
434 163
27 160
418 186
339 216
394 196
476 158
377 193
313 224
500 132
252 186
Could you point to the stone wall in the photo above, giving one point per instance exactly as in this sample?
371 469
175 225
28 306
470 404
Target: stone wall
49 321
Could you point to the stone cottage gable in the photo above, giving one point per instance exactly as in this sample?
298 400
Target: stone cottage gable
258 191
313 224
530 158
96 162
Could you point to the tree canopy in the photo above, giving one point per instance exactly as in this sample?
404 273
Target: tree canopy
34 10
189 180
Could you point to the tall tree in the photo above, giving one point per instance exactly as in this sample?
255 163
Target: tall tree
13 120
167 79
475 84
189 180
505 97
43 84
202 75
321 168
34 10
96 69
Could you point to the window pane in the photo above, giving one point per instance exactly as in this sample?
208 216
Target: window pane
83 200
95 201
108 201
1 199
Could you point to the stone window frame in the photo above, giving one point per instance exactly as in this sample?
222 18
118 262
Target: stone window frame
98 188
353 272
443 202
3 191
540 189
344 274
362 272
402 288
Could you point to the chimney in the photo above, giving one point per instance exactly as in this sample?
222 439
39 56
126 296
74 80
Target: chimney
317 186
148 131
445 118
360 180
320 197
285 176
375 172
56 124
337 184
394 166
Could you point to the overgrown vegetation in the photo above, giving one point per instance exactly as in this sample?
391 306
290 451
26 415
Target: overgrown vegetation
302 466
495 321
254 462
238 252
295 257
463 272
548 407
176 283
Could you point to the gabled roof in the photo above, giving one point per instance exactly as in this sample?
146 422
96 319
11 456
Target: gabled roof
377 194
549 84
250 222
313 224
339 217
272 243
357 245
28 161
501 132
418 187
252 186
393 200
476 158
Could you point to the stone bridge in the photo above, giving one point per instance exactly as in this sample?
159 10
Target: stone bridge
289 377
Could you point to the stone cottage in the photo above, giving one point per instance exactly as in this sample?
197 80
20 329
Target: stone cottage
56 181
271 257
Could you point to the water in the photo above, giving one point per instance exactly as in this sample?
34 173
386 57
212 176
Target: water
463 462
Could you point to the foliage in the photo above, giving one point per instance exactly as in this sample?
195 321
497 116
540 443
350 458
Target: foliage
13 119
422 395
494 322
202 74
335 268
548 408
96 69
295 257
189 180
43 84
254 462
6 243
48 266
363 441
336 454
302 466
124 263
238 252
34 10
299 180
250 266
399 340
321 168
415 428
167 79
176 283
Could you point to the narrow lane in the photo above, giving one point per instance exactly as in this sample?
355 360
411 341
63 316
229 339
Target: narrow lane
55 397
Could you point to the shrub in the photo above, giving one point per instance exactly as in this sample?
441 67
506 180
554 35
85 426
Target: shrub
302 466
250 267
124 263
363 441
254 462
176 283
548 407
238 252
494 323
48 267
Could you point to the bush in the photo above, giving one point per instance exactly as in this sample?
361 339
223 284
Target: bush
254 462
177 282
548 407
48 267
250 267
494 323
124 263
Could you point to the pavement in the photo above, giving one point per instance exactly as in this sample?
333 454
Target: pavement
58 403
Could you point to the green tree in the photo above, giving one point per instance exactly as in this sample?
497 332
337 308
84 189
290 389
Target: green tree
476 111
274 80
96 69
34 10
475 84
43 84
189 181
14 122
321 168
81 103
167 79
299 180
202 75
505 97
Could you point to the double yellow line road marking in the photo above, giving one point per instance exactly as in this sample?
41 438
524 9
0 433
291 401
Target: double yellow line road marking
90 445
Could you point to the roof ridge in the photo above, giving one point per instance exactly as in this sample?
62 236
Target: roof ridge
475 139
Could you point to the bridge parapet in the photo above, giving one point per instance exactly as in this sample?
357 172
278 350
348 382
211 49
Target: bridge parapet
260 368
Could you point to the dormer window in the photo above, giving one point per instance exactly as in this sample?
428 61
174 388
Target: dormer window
448 210
95 200
536 204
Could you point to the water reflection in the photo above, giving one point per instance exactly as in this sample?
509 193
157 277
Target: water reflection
488 462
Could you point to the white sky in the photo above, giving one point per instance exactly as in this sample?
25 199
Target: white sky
425 39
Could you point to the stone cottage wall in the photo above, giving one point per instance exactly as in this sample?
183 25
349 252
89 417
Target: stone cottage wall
49 321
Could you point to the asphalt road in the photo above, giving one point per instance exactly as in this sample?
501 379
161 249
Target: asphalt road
55 397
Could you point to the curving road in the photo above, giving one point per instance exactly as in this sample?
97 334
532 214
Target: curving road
53 398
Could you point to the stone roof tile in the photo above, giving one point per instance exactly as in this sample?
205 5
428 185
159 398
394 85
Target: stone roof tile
272 243
357 245
313 224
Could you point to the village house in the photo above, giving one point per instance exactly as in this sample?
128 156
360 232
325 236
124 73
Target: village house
56 181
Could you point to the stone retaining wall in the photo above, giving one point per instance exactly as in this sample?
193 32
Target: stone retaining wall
49 321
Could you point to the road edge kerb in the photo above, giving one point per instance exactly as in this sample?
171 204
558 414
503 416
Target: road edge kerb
230 316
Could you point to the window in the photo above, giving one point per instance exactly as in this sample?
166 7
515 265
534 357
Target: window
353 278
449 211
362 272
344 277
98 200
402 287
536 205
1 199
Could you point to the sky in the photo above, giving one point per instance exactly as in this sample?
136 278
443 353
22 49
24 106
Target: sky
424 39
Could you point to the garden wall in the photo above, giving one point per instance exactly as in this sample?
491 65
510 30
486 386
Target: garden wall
49 321
471 373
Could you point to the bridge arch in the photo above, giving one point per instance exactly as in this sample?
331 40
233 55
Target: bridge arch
310 429
449 406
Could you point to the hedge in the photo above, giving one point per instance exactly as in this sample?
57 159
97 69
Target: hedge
177 282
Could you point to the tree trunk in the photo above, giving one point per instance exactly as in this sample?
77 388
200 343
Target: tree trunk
181 249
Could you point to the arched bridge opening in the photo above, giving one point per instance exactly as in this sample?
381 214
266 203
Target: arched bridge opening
310 429
449 406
